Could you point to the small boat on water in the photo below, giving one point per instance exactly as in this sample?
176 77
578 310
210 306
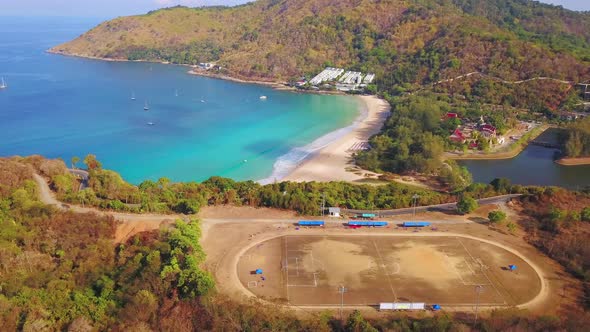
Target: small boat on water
3 84
146 107
150 123
133 96
202 100
263 97
176 93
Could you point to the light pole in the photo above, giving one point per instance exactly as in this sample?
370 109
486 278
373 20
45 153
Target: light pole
342 290
323 203
478 290
415 198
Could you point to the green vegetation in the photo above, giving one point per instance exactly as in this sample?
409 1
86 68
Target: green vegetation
406 43
108 190
63 271
576 139
410 45
559 227
496 217
466 205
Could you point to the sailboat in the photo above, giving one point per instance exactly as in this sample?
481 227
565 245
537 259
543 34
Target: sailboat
133 96
3 85
176 93
146 107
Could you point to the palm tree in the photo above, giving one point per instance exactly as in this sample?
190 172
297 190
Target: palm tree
75 160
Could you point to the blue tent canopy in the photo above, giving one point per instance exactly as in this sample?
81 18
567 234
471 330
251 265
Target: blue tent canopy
512 267
258 271
435 307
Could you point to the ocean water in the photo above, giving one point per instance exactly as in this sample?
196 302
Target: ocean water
61 107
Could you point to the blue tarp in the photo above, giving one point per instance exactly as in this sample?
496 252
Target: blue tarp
435 307
368 223
512 267
416 224
311 223
258 271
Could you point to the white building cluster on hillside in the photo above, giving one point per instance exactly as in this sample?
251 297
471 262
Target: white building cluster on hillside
329 74
345 81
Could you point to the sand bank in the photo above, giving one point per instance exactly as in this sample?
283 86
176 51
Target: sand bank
574 161
331 162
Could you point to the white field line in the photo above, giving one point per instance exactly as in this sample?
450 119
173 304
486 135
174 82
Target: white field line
483 272
385 271
287 267
541 297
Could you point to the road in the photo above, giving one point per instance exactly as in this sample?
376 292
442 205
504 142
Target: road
82 174
47 197
438 207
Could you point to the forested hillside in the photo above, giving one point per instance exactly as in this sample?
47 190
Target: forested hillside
446 54
63 271
405 42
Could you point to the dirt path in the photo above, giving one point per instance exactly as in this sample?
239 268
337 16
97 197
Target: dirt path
225 266
226 269
131 224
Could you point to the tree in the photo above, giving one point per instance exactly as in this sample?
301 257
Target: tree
496 216
501 185
357 323
467 205
585 214
511 227
75 160
92 163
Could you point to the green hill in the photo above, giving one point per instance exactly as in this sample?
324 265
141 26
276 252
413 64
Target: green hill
406 43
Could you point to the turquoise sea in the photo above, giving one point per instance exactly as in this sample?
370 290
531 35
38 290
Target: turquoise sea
61 107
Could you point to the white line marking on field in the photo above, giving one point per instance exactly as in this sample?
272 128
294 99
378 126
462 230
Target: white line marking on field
385 271
287 268
483 272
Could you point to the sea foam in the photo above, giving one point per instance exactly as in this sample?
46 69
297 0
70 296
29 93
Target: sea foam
288 162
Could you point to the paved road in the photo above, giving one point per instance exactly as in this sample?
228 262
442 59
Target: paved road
438 207
82 174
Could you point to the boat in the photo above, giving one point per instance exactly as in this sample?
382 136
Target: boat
202 100
146 107
176 93
263 97
150 123
3 85
133 96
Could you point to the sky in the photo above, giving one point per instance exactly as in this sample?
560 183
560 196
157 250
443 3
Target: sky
113 8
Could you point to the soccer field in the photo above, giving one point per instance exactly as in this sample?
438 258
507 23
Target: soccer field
310 270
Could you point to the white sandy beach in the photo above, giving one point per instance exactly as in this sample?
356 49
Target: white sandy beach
330 163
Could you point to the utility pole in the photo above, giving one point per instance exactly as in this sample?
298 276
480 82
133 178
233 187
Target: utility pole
415 198
478 290
342 290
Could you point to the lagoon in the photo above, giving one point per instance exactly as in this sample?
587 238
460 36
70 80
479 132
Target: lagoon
533 166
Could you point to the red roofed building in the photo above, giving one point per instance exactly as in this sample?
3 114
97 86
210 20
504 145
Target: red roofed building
452 115
457 136
488 130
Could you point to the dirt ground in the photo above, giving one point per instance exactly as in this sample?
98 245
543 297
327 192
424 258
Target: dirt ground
308 270
237 247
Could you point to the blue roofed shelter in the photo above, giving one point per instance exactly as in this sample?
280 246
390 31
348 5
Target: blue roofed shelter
258 271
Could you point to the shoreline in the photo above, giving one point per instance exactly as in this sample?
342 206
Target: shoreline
333 161
281 86
573 161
